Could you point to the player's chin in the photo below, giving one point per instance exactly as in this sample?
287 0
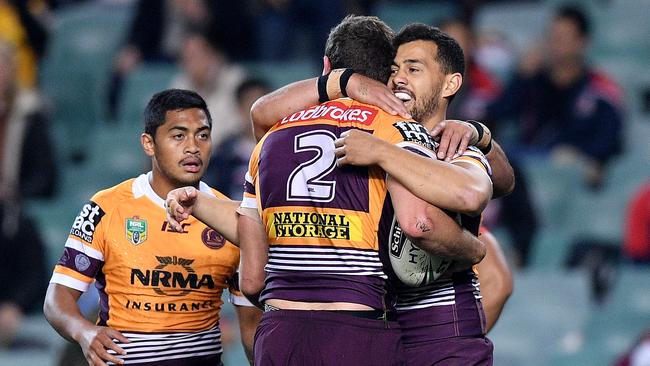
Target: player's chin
190 178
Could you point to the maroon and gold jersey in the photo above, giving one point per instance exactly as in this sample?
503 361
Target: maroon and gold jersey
322 220
154 284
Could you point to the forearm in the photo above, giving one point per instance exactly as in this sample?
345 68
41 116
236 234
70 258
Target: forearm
503 176
248 318
253 257
432 229
441 184
269 109
219 214
449 240
62 312
495 278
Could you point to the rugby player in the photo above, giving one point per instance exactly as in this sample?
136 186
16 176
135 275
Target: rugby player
160 290
323 225
434 80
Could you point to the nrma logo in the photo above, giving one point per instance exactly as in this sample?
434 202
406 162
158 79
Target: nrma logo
169 282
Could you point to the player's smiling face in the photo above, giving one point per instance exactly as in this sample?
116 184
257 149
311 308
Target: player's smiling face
182 146
417 78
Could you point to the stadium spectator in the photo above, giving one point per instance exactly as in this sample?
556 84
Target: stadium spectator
285 25
207 70
636 246
156 286
158 29
21 25
27 170
479 87
563 106
23 276
28 166
230 160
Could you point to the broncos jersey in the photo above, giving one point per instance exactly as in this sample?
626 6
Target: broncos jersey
154 284
321 220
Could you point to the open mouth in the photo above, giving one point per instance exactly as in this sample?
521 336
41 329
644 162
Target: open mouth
191 165
403 95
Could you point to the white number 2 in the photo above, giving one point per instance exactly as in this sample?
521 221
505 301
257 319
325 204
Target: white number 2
305 182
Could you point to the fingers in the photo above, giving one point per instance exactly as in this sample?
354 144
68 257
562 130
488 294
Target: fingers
394 106
444 144
438 128
454 142
114 334
464 142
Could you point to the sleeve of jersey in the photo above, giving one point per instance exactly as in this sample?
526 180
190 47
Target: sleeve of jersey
475 156
249 199
236 297
413 137
83 256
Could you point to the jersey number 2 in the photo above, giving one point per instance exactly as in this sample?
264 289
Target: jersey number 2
305 182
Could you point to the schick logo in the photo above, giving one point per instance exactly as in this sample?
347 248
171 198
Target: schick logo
164 282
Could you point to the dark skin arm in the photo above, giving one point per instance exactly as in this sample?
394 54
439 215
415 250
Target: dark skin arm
248 317
496 279
62 312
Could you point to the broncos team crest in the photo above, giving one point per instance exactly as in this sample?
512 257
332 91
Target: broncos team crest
136 230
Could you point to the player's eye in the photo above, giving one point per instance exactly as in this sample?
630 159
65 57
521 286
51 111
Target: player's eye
413 70
393 71
204 135
178 136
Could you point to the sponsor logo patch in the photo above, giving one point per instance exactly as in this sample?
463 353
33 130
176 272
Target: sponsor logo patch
415 132
212 239
81 262
136 230
315 225
85 223
173 276
335 111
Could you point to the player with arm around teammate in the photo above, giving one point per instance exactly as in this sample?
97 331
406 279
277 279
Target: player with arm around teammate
160 290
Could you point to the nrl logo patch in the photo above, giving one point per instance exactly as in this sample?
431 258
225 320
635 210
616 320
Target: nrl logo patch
136 230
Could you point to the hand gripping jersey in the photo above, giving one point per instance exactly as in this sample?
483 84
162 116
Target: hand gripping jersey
322 221
154 284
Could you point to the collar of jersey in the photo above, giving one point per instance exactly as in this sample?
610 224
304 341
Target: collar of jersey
142 187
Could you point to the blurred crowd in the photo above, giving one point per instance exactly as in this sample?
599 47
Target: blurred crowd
546 103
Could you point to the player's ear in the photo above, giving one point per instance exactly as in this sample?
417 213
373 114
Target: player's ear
327 65
453 83
147 142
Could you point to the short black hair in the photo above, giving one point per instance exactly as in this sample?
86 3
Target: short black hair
576 15
171 100
248 84
364 44
450 54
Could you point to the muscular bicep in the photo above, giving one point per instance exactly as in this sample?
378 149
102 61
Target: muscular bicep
478 186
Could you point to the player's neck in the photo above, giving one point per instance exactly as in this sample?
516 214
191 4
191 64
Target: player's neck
434 119
162 185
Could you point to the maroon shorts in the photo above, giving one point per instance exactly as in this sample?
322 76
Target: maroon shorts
454 351
324 338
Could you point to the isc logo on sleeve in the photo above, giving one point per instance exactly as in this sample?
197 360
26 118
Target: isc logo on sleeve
86 222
